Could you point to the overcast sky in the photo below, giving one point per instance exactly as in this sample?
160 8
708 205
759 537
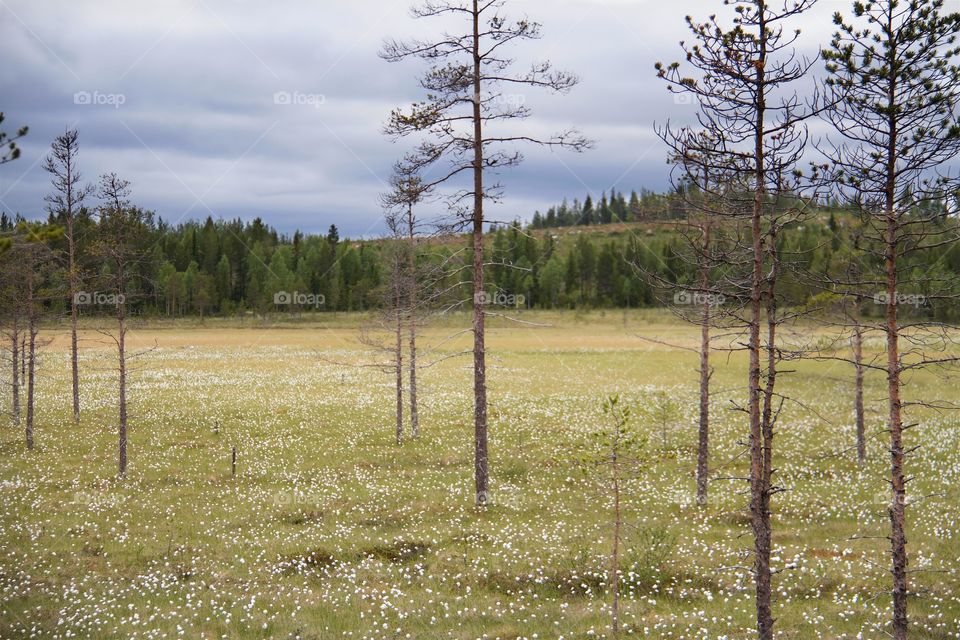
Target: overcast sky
188 99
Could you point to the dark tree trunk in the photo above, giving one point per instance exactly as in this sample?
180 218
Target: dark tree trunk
759 498
481 470
765 542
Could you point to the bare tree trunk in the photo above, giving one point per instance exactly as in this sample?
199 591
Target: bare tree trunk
761 553
758 494
481 470
414 409
398 354
413 301
31 358
122 353
898 538
858 390
764 542
23 363
74 363
16 355
703 447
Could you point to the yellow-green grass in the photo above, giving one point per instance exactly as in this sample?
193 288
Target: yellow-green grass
330 530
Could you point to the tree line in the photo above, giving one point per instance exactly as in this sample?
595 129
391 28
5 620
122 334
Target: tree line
225 268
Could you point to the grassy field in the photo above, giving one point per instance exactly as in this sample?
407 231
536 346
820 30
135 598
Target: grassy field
329 530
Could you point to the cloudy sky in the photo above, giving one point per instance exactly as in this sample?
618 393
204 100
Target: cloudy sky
244 108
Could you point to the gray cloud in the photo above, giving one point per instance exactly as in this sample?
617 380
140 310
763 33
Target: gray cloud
185 101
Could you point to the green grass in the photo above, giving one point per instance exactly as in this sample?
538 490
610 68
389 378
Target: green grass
330 530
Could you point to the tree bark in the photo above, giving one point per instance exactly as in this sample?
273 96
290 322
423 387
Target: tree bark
412 301
765 542
898 538
30 355
31 380
759 498
398 354
122 365
72 268
481 470
703 447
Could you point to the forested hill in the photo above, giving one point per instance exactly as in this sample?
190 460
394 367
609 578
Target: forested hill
644 206
227 267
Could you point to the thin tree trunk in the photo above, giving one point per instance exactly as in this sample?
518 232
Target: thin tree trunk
703 447
16 355
398 354
481 470
31 357
23 363
122 352
858 390
414 409
761 554
74 361
758 493
898 538
765 542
